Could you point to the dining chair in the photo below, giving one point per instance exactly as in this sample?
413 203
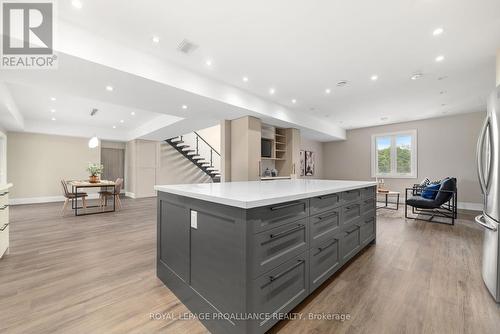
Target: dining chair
103 195
72 196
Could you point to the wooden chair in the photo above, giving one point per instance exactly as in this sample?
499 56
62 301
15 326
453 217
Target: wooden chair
103 195
72 196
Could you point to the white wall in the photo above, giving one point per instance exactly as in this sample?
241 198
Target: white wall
498 68
36 164
446 147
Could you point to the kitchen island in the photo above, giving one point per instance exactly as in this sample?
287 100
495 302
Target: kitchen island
240 255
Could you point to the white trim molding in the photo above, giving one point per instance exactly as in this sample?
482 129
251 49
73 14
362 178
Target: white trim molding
43 199
129 194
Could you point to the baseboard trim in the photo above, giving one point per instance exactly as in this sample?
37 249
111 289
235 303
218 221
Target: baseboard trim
43 199
129 194
470 206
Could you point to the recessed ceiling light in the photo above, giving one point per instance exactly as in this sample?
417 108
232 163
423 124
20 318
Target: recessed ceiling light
184 106
442 78
443 104
77 4
416 76
294 101
384 118
122 121
109 88
442 92
156 39
328 90
342 83
114 126
53 118
438 31
52 98
439 58
132 113
52 110
208 62
245 79
374 77
272 91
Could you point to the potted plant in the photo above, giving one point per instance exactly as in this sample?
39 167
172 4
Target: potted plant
95 171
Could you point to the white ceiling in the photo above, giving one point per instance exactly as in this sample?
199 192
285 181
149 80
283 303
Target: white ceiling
302 47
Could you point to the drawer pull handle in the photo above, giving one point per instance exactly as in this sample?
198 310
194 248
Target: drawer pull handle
284 206
281 234
351 231
4 227
328 196
4 207
275 277
351 207
328 216
328 246
4 193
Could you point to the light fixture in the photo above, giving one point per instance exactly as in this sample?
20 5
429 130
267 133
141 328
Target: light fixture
52 110
184 106
272 91
442 92
374 77
342 83
132 113
77 4
122 121
156 39
245 79
439 58
328 90
385 118
114 126
208 62
109 88
294 101
438 31
93 142
416 76
53 118
52 98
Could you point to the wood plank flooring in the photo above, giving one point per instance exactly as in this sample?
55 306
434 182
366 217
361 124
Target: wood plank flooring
96 274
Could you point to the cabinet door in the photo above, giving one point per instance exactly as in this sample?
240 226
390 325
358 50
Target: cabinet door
173 235
324 261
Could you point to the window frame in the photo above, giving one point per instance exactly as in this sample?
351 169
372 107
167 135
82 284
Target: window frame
394 174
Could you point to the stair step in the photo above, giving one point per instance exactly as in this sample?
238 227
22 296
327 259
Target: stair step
205 165
211 169
176 141
197 157
181 145
214 172
188 150
190 153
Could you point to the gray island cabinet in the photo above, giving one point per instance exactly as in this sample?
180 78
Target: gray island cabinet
241 255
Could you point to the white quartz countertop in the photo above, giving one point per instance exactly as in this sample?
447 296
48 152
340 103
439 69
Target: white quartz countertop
253 194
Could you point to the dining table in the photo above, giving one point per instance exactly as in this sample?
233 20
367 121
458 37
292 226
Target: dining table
103 185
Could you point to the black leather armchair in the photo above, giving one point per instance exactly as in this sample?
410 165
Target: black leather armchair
443 205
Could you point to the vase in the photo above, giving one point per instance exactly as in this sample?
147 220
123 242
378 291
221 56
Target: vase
94 178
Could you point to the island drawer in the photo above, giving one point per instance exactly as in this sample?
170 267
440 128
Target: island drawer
4 198
350 242
281 289
324 225
367 229
273 247
368 192
324 203
324 260
268 217
351 213
368 206
350 196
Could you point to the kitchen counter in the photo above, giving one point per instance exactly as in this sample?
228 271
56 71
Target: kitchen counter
253 194
243 254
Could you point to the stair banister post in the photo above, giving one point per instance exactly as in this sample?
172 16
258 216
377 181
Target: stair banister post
197 140
211 157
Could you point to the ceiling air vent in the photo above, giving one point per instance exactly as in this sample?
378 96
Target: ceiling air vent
342 83
93 112
186 46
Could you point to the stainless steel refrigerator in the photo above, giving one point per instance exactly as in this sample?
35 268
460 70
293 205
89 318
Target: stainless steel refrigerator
488 163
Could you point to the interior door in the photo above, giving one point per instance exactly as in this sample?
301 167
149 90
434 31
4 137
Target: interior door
113 160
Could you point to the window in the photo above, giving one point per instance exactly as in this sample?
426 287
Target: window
395 155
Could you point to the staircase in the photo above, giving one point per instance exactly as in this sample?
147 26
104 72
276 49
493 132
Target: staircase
199 152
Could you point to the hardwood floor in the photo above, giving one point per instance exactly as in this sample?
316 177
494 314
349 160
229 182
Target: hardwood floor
96 274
